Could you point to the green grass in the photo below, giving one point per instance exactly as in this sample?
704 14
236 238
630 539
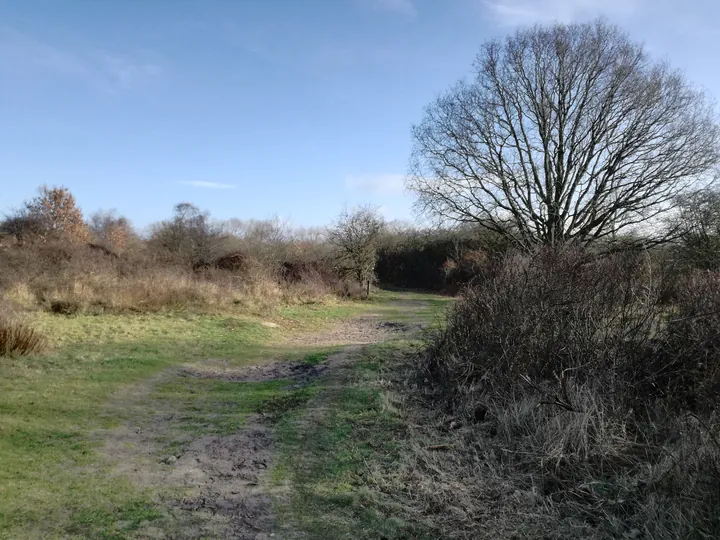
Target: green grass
416 307
327 448
207 406
53 481
315 358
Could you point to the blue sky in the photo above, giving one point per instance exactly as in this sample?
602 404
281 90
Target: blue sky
252 108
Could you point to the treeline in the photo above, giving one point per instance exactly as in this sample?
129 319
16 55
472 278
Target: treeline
52 258
440 260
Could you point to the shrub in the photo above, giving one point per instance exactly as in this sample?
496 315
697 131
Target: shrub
67 279
50 258
436 260
17 338
687 370
591 388
58 215
111 231
541 315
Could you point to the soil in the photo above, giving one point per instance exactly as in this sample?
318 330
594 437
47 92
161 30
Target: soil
358 331
217 481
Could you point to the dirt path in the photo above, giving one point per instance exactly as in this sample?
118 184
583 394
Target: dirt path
214 485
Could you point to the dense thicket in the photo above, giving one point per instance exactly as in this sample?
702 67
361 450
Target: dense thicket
51 259
578 368
432 262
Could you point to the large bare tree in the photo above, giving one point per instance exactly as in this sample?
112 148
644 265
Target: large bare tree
569 132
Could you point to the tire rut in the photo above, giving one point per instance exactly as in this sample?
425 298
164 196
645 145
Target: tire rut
215 487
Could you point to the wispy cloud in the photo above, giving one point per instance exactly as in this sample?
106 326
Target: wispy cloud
377 184
208 185
22 54
127 72
400 7
526 12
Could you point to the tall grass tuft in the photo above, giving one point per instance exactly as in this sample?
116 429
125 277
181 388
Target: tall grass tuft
17 338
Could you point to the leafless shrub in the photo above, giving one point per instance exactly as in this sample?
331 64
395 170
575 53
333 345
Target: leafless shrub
190 237
267 241
582 387
235 261
23 226
112 231
687 368
560 310
73 278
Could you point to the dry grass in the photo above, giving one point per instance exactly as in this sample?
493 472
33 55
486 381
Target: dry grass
528 472
69 279
158 291
580 405
17 338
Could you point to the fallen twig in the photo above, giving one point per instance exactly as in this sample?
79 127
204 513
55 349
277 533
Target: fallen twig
439 447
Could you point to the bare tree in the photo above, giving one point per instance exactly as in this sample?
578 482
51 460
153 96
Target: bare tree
566 132
265 240
356 235
190 235
111 230
697 222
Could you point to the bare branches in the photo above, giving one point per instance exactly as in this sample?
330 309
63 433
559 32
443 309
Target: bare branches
356 235
697 222
567 132
189 235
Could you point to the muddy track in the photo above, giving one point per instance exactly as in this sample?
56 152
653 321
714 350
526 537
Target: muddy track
215 487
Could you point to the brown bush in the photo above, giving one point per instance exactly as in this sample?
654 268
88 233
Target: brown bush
539 315
111 231
74 278
58 215
17 338
581 379
231 262
299 270
189 262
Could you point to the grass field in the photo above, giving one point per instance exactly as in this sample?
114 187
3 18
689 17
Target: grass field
54 481
331 449
351 433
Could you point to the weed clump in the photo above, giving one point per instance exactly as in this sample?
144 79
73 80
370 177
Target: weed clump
18 338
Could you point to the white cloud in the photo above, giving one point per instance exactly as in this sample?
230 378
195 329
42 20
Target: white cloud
527 12
209 185
378 184
401 7
21 54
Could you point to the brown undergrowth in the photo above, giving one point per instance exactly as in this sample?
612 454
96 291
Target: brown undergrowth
564 399
70 278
